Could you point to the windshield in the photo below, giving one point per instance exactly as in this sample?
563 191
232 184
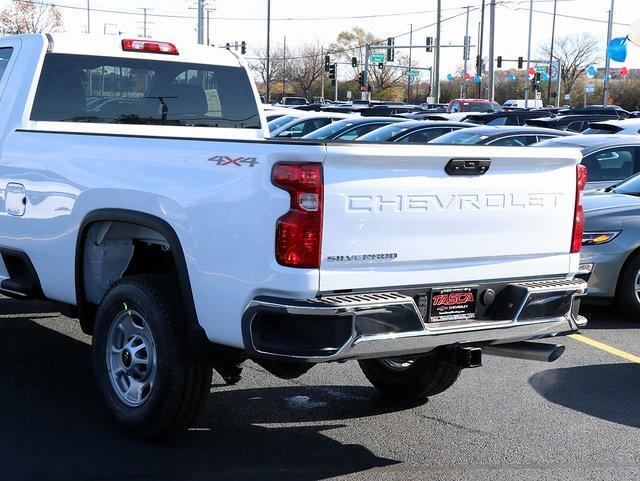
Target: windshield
630 186
462 137
602 129
481 107
329 130
280 121
383 133
95 89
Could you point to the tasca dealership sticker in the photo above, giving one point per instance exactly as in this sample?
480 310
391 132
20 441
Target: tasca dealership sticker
234 161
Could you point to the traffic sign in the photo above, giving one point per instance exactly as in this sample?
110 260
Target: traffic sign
413 73
541 68
363 88
567 96
349 94
589 88
377 58
554 71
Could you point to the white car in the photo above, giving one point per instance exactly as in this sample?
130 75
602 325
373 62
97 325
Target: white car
139 194
305 124
625 126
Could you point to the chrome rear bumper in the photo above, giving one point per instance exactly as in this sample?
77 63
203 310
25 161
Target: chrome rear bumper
390 324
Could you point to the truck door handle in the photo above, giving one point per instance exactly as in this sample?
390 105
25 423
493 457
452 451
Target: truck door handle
467 166
15 199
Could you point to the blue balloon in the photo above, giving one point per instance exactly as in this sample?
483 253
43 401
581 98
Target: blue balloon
512 78
477 79
617 49
591 71
544 77
449 77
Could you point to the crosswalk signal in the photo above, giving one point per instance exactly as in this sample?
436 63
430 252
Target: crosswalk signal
332 71
520 62
354 62
327 63
243 47
429 44
390 51
535 81
499 61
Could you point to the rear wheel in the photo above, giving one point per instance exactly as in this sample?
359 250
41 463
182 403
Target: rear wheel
150 384
408 379
628 292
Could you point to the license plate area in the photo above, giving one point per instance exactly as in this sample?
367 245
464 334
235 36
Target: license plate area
453 304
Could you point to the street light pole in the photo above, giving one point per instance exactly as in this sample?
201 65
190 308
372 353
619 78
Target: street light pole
201 22
88 17
409 76
607 64
553 37
492 34
436 75
465 55
527 85
480 45
268 93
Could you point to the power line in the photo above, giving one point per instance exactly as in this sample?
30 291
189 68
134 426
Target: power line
575 17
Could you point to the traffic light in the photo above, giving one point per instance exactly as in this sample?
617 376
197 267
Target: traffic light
228 46
327 62
369 88
332 71
499 61
429 44
390 51
535 81
243 47
520 61
381 65
354 62
361 78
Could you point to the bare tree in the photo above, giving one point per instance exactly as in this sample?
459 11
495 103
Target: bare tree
576 53
28 17
258 63
305 67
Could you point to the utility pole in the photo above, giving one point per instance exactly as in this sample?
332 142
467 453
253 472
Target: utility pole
436 76
268 89
492 34
553 38
88 17
409 76
201 22
528 84
208 26
335 94
322 75
607 64
480 49
465 55
284 64
365 72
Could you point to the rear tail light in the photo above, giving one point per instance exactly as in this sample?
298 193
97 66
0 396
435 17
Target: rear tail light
149 46
299 231
578 219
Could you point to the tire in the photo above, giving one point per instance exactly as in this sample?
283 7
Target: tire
410 380
156 389
627 298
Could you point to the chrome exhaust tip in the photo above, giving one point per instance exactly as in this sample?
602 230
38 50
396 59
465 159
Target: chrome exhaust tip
532 351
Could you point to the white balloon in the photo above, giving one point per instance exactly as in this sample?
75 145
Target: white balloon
634 33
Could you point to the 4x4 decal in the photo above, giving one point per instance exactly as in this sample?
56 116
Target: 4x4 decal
238 161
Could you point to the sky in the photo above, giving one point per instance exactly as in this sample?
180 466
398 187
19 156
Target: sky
238 20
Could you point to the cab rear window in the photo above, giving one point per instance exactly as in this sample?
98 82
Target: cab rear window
93 89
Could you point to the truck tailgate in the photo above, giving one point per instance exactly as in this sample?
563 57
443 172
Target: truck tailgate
393 216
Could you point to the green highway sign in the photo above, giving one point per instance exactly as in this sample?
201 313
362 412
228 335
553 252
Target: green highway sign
541 68
377 58
413 73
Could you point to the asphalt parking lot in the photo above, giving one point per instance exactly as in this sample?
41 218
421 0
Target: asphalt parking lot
578 418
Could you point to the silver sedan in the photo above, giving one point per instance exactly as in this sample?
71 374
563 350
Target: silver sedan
610 257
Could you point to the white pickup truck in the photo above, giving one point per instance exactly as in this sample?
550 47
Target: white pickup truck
139 192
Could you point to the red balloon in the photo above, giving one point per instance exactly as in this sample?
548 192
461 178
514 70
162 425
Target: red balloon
532 71
624 71
467 76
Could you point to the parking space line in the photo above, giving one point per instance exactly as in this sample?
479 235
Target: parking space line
605 347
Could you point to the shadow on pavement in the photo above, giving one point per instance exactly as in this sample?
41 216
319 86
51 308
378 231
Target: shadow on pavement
54 427
605 391
607 318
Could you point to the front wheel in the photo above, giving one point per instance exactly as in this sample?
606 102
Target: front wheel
409 379
628 291
143 370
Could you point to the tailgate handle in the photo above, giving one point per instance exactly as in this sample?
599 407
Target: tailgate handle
467 166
